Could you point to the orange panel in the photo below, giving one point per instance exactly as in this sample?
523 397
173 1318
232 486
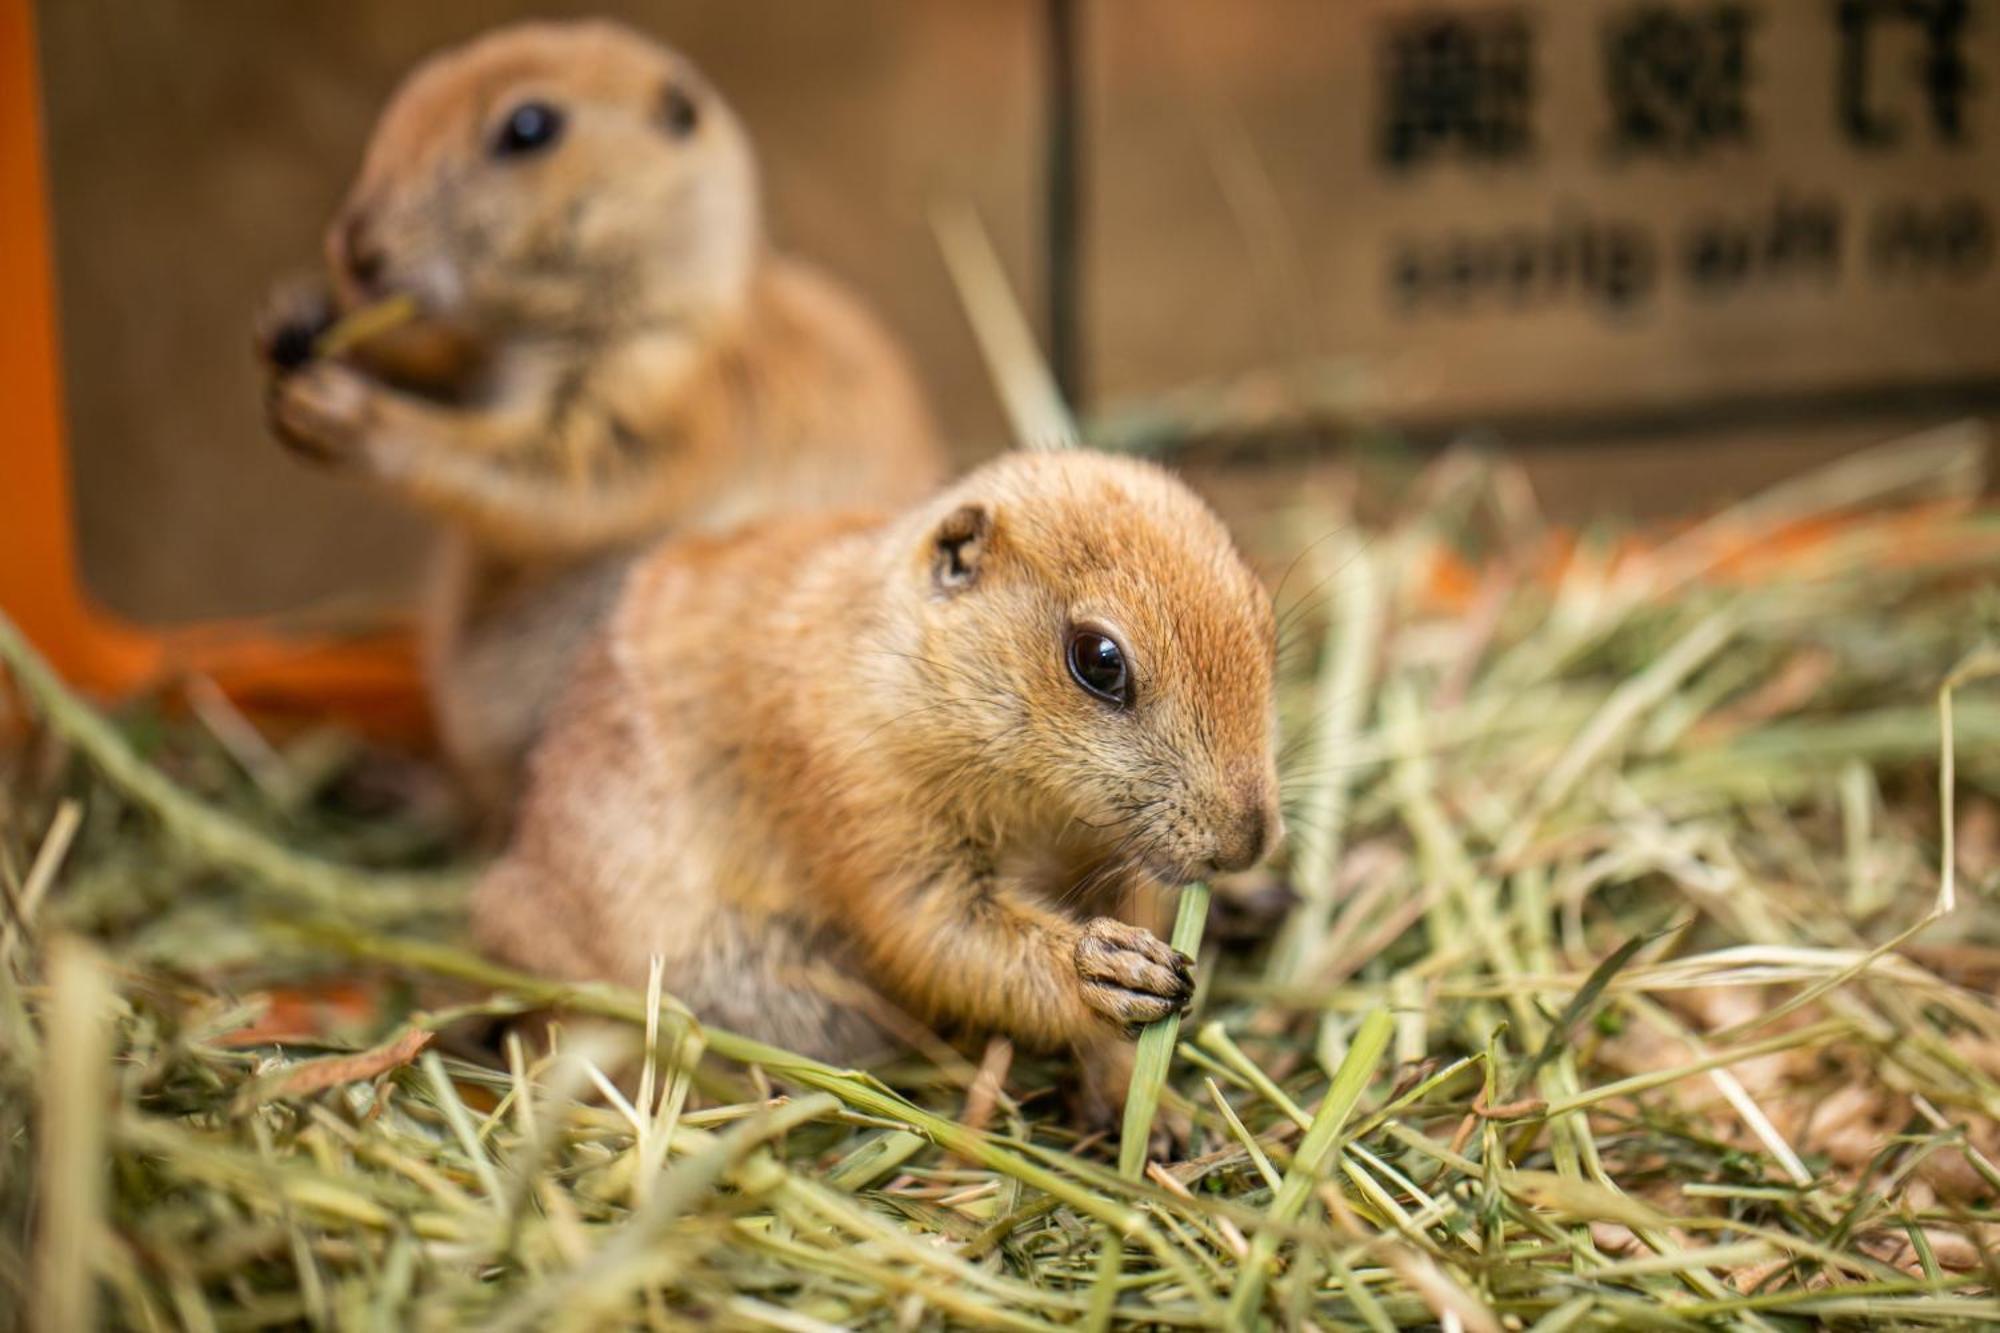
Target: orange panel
373 681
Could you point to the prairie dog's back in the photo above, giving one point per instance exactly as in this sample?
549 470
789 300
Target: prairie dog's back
630 843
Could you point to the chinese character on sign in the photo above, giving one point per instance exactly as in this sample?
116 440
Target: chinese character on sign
1938 27
1459 85
1675 78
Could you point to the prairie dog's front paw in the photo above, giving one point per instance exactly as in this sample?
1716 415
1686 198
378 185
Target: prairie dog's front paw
323 410
1130 975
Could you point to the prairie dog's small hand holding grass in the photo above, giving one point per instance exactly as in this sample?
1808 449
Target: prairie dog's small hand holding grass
323 411
1130 975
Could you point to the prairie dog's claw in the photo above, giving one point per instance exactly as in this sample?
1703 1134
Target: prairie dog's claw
1130 975
289 326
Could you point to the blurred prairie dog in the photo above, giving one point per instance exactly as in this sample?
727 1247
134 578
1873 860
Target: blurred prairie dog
604 349
925 758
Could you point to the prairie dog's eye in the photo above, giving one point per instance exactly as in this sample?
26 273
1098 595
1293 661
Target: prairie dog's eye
529 128
1097 663
679 113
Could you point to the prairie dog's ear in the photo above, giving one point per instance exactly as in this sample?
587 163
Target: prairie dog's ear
958 546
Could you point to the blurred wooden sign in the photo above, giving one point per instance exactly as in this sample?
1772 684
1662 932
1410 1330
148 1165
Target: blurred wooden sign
1587 220
1577 220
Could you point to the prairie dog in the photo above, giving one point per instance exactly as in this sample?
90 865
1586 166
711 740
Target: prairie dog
604 349
925 757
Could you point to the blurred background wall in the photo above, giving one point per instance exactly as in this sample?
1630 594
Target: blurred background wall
1667 249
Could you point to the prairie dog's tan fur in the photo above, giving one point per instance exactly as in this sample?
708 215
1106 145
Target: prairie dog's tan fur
606 350
850 749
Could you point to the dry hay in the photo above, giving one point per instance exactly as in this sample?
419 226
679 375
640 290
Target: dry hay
1636 981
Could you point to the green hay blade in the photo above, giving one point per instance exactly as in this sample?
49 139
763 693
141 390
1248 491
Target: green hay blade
1308 1168
1156 1044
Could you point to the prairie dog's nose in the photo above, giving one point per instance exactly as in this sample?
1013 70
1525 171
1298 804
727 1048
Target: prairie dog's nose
1254 830
358 250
